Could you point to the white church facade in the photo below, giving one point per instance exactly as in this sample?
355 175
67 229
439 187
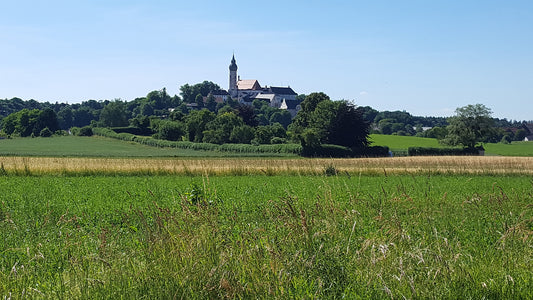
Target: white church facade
246 91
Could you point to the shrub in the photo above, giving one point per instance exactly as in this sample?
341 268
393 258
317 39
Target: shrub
85 131
278 140
421 151
46 132
132 130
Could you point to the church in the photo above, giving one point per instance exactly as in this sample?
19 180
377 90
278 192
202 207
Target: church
246 91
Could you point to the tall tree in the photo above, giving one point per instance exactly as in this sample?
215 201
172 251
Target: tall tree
114 114
471 125
196 123
330 122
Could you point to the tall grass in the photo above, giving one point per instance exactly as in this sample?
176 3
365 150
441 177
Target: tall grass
258 166
382 237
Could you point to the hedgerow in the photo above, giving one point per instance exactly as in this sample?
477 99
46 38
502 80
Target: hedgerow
237 148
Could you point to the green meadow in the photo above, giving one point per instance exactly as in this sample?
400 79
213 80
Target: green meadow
329 235
161 237
71 146
400 144
74 146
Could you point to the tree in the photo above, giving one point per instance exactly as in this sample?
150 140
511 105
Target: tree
199 100
348 126
219 130
330 122
114 114
47 119
65 117
247 114
211 102
471 125
242 134
196 123
303 118
189 92
282 117
170 130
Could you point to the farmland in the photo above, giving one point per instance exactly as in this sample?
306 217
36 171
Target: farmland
302 234
134 225
400 144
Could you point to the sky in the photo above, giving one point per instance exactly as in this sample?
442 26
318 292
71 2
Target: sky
426 57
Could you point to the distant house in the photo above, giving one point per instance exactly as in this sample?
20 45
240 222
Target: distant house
221 96
528 127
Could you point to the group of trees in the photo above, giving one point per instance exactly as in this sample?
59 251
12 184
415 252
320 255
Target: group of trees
321 120
404 124
197 117
33 122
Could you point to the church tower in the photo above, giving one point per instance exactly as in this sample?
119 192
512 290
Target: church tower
233 77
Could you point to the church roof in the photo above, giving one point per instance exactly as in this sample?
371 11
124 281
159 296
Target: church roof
219 93
281 90
268 97
249 84
292 104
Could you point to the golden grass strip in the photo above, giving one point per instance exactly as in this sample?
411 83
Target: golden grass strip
236 166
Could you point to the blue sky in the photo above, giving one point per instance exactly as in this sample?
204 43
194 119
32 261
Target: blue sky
426 57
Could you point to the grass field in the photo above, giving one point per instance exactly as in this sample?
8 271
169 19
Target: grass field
402 143
72 146
381 237
135 225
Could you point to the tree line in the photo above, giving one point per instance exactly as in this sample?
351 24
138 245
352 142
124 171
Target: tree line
195 116
321 120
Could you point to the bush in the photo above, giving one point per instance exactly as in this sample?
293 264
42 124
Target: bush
85 131
46 132
278 140
421 151
172 131
132 130
372 151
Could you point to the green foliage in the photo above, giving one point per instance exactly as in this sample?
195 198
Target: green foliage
242 134
218 131
85 131
331 122
114 115
190 93
285 149
471 125
421 151
46 132
196 123
172 131
30 122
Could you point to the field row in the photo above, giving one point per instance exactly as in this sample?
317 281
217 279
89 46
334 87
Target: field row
241 166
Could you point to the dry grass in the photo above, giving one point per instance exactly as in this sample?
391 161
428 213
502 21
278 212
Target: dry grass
397 165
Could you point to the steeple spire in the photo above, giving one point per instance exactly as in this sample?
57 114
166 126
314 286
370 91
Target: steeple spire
233 65
233 77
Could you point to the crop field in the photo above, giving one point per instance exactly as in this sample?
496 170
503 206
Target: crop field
390 228
266 166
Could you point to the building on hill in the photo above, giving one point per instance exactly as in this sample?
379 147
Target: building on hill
246 91
529 129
